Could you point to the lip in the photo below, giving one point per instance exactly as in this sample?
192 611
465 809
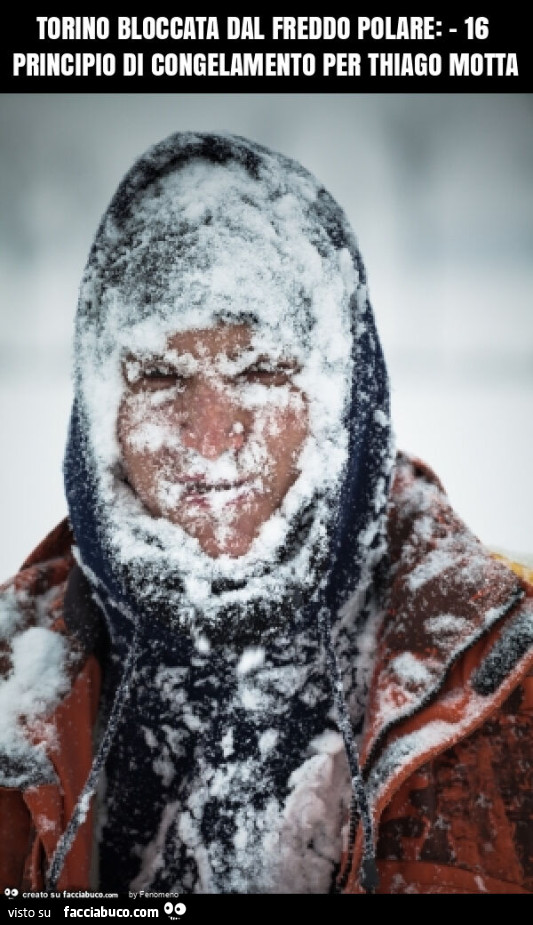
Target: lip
202 486
201 493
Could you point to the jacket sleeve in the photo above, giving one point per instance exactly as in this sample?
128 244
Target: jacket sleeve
15 830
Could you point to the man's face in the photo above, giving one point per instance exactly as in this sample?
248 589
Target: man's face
211 434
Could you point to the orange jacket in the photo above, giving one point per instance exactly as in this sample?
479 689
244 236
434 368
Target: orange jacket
446 752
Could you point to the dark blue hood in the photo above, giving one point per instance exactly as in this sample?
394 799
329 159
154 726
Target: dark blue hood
355 528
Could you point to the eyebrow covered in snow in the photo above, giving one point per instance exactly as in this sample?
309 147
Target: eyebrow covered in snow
249 366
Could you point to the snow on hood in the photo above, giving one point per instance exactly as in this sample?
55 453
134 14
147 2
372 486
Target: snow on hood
207 230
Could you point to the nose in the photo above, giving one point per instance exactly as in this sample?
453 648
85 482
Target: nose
214 422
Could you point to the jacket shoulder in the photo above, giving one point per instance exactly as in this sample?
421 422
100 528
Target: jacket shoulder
56 544
522 569
447 748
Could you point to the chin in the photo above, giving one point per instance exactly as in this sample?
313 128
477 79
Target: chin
234 547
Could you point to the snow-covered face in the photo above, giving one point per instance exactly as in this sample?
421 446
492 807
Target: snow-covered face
211 433
215 362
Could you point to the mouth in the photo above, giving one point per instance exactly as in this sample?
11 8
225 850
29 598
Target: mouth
201 486
204 494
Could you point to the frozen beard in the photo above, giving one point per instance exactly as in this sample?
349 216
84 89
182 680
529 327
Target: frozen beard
200 245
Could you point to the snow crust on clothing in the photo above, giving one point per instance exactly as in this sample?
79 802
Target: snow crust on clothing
417 746
515 641
255 752
289 846
30 690
441 567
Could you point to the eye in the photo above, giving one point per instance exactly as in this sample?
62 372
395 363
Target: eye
151 376
160 377
158 373
269 372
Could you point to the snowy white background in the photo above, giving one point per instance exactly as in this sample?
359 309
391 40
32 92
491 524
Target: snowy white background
439 190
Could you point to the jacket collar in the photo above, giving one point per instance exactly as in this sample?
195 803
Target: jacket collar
455 640
446 593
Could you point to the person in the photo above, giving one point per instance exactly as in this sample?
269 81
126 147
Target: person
262 654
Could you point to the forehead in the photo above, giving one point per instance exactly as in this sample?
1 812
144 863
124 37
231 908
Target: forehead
208 343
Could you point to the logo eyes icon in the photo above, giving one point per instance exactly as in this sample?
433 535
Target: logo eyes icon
14 892
173 911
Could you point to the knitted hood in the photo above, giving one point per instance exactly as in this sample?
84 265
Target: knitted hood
207 230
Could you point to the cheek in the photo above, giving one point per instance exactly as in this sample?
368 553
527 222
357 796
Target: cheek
283 433
125 428
288 415
142 444
146 429
292 423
